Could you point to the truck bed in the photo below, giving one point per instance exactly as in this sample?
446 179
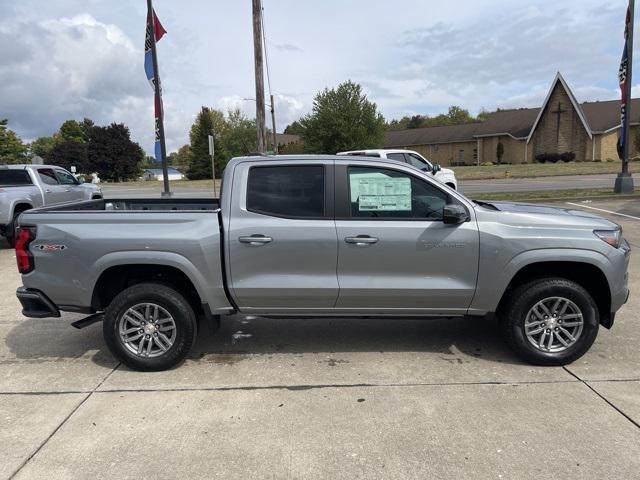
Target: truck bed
136 204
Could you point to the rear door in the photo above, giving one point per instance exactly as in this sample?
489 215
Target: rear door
282 240
72 188
395 254
53 191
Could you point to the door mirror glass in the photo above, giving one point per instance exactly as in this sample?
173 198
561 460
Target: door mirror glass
454 214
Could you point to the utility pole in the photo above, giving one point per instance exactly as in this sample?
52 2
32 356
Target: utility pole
624 181
158 100
257 55
273 126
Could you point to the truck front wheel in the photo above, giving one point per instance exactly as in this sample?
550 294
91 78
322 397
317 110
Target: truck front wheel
149 327
550 321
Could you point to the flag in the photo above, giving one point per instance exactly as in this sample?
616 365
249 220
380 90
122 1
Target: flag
623 76
155 28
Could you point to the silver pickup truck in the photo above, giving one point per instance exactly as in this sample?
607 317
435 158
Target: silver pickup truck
303 236
23 187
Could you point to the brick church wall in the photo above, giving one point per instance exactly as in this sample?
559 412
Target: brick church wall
569 136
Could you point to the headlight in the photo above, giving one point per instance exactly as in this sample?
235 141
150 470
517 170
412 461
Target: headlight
612 237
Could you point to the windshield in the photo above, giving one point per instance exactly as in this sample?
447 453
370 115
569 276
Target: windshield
10 178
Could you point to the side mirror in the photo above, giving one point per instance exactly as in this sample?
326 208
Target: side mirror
80 180
454 214
436 168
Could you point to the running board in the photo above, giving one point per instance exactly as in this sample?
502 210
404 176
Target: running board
90 320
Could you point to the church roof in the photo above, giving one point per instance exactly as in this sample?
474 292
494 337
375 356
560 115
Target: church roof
598 117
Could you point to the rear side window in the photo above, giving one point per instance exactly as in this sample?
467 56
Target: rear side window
396 156
9 178
47 176
287 191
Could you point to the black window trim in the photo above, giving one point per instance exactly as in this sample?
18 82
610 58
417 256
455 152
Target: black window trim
343 196
328 174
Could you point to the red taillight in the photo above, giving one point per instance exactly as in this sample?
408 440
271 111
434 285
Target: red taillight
24 237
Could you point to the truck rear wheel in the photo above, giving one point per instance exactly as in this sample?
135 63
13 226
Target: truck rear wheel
550 321
149 327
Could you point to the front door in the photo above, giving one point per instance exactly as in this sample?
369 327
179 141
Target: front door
53 191
282 238
395 254
72 188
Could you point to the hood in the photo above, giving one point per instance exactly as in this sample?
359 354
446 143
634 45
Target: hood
445 171
570 215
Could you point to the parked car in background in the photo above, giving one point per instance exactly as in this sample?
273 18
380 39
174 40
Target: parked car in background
443 175
322 236
23 187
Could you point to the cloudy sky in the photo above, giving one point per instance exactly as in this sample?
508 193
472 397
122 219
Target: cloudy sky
84 58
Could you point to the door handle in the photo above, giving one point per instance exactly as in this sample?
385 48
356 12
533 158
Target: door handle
47 191
361 240
255 240
67 189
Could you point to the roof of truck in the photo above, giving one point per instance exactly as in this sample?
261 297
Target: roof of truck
16 166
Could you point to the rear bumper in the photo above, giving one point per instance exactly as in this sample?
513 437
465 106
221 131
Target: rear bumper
36 304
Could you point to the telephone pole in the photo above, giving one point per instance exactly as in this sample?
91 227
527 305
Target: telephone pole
257 55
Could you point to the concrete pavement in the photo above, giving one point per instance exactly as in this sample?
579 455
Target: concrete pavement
320 399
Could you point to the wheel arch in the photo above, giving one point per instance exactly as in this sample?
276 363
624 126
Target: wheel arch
589 276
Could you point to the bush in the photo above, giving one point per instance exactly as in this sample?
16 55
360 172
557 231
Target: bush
541 158
487 164
567 157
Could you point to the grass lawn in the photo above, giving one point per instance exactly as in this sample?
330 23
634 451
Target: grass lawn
569 194
540 170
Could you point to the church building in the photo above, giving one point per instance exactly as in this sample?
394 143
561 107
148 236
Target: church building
588 130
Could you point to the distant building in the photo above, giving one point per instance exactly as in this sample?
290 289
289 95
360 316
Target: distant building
156 174
590 130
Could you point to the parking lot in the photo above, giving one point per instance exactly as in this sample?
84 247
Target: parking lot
321 398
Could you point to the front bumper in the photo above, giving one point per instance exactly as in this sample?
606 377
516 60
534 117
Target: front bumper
36 304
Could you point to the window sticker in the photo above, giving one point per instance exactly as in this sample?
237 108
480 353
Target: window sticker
381 193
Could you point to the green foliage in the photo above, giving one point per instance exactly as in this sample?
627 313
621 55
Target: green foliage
342 119
181 158
208 122
294 128
454 116
12 150
41 146
68 153
112 154
234 135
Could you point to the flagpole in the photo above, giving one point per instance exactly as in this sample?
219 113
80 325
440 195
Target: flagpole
624 181
158 101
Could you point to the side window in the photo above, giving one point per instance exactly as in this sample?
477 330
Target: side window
397 156
384 193
47 176
65 178
287 191
418 162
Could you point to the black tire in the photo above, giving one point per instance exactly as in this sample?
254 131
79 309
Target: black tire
523 299
168 299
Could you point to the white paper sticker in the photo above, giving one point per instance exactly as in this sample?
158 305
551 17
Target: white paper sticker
381 193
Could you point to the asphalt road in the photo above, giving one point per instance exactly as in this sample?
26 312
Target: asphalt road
320 399
468 187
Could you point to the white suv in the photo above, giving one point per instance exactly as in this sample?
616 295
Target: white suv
443 175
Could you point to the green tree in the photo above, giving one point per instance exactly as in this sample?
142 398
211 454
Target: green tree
181 158
294 128
208 122
67 154
12 150
112 153
239 138
41 146
342 119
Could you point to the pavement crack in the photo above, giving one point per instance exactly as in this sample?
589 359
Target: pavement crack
64 420
609 402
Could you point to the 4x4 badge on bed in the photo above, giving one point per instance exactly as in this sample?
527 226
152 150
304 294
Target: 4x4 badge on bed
47 247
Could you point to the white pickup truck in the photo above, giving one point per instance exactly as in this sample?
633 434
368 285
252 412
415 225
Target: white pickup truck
23 187
443 175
